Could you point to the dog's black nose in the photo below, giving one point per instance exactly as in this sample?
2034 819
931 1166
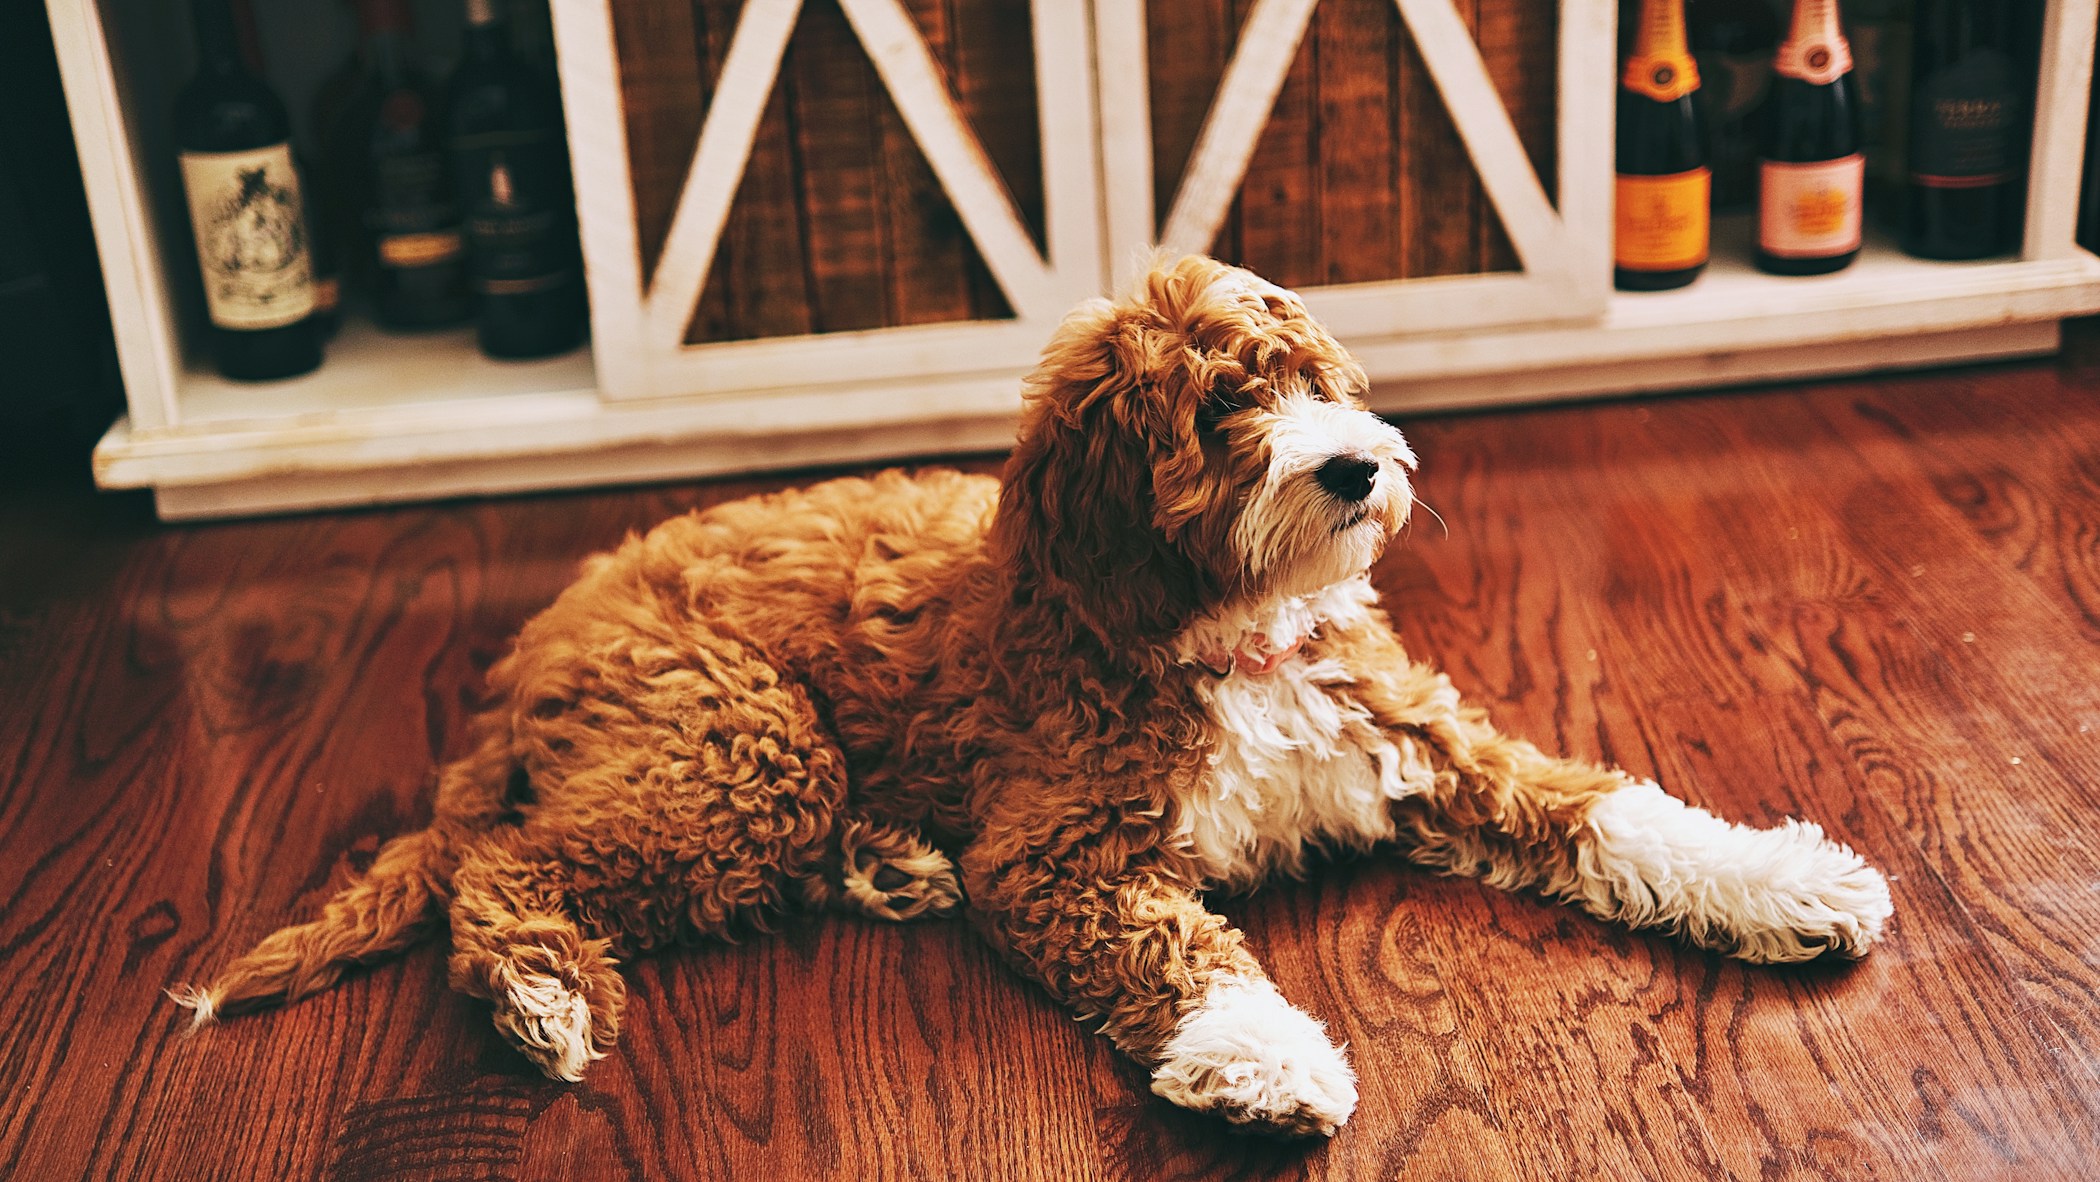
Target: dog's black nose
1348 477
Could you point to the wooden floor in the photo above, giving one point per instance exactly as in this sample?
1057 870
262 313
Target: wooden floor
1875 603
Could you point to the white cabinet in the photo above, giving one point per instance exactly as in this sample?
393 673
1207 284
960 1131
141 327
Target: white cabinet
395 418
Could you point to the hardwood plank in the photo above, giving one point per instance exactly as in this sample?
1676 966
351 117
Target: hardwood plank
664 91
1441 202
1358 45
929 251
995 86
760 283
1187 46
1278 207
1520 42
834 96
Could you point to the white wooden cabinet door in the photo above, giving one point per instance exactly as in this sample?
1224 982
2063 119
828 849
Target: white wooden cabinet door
1563 246
640 321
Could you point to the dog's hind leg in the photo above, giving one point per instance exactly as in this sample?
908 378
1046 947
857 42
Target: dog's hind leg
889 870
557 994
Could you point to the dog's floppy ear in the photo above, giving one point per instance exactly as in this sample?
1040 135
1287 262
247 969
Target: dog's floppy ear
1076 521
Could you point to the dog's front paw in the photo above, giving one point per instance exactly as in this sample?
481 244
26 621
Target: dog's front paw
1253 1058
1766 895
1816 897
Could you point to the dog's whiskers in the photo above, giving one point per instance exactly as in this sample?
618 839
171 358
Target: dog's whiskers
1422 504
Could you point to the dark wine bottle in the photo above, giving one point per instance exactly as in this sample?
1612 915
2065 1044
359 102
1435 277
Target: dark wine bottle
1663 189
511 171
245 210
1966 122
416 260
1811 176
1732 41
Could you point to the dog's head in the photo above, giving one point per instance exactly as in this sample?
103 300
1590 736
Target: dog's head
1202 442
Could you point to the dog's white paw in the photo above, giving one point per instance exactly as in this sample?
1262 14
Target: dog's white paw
1818 897
548 1021
1765 895
1248 1055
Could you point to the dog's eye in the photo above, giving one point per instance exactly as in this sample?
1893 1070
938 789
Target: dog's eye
1223 401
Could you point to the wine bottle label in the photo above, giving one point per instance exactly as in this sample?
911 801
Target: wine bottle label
1662 222
251 236
1815 49
414 222
1811 211
427 249
519 225
1965 123
1661 65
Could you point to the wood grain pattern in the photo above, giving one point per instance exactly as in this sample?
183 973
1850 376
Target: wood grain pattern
1860 602
838 223
1359 175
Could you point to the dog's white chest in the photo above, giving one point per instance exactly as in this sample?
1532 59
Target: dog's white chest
1299 764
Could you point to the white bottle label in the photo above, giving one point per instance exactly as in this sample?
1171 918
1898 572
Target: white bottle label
1811 211
251 236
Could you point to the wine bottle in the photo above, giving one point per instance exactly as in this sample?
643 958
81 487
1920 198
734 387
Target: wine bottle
1811 177
415 257
1662 188
245 210
511 172
1732 42
1966 119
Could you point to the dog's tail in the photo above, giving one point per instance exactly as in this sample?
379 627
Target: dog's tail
397 902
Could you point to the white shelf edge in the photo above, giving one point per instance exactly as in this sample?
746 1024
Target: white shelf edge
1905 314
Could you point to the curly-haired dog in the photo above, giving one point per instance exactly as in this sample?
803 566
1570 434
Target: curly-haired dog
1143 665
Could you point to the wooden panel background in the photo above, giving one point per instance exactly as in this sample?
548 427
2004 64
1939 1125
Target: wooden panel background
1360 175
839 223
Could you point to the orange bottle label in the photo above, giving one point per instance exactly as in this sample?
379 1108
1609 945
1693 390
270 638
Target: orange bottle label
1664 77
1810 211
1662 223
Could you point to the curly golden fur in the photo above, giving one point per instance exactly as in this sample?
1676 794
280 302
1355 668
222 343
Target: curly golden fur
1142 665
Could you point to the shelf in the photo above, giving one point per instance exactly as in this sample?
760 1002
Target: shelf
371 374
393 417
1735 323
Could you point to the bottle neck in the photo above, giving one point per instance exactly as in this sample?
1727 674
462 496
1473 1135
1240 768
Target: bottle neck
218 44
1661 33
1815 20
487 34
1815 49
1661 66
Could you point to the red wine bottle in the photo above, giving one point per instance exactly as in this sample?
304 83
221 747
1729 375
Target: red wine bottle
511 171
415 258
1967 117
245 210
1811 176
1662 189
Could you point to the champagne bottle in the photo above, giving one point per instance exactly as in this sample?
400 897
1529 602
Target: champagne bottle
1662 188
415 257
1732 41
245 210
511 172
1811 176
1966 120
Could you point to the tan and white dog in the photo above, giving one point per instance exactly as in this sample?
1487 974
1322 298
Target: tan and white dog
1146 663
